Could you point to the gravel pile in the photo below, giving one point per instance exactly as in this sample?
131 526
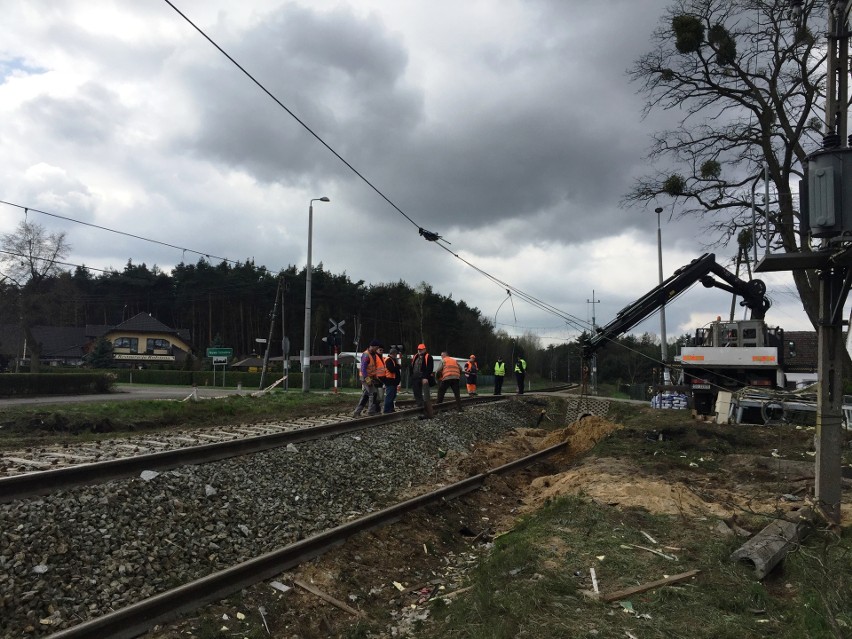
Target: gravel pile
79 554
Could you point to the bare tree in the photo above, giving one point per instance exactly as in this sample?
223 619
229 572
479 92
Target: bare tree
749 84
28 257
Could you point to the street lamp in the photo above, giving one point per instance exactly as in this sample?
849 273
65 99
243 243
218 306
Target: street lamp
306 353
663 346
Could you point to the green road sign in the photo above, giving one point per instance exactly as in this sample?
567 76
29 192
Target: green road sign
220 352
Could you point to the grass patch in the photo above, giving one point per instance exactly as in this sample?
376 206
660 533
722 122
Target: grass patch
21 425
532 583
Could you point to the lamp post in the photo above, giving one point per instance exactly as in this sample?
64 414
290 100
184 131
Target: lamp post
663 345
306 353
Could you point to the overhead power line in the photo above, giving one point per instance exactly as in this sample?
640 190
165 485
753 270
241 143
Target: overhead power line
29 209
430 236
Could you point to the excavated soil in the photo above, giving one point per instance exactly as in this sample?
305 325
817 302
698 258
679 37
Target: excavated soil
389 575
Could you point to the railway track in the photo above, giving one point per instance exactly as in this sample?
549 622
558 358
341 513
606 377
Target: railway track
141 616
55 456
43 470
92 549
58 457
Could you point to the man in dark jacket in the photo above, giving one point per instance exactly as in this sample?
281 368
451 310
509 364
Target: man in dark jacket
393 375
422 378
499 374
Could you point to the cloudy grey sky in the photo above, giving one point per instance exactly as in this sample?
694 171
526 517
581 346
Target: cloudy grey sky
510 128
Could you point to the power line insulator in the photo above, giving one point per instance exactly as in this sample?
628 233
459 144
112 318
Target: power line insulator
429 235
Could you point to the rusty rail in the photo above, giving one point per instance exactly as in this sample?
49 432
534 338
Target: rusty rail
138 618
48 481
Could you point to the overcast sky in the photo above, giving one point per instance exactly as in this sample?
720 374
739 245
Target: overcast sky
510 128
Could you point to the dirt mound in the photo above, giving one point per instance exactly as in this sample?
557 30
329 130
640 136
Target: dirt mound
619 483
581 436
610 481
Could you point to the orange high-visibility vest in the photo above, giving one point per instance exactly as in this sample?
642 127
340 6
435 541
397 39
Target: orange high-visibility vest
391 374
451 369
375 365
381 369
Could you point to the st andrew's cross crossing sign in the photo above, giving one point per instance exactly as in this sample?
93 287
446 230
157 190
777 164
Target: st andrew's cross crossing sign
336 327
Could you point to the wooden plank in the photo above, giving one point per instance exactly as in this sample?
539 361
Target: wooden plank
335 602
635 590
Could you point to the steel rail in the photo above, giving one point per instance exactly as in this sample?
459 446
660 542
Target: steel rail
45 482
140 617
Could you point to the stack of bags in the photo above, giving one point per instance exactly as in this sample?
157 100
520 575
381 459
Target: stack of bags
670 401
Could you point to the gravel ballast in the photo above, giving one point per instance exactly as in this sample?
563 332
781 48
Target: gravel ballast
79 554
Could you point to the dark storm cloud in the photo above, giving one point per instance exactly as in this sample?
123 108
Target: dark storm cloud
512 128
339 74
557 143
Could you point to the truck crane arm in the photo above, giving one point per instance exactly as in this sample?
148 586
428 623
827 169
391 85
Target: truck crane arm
753 293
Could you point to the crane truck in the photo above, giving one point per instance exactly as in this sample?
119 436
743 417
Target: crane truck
726 355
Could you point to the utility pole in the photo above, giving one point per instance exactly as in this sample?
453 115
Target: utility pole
285 343
269 339
594 360
664 353
593 301
826 204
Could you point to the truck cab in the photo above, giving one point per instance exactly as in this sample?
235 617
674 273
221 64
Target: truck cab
728 355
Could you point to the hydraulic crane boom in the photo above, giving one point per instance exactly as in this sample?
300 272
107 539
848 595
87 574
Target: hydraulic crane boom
753 293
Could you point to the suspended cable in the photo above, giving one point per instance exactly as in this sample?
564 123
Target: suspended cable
104 228
303 124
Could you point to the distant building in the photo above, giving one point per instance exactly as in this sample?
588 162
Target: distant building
144 340
140 341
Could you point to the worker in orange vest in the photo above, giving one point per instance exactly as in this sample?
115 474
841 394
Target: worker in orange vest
393 375
471 368
371 365
381 373
450 374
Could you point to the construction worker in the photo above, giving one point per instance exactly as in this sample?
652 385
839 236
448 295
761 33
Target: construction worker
381 371
471 368
371 365
520 373
450 375
422 379
393 375
499 374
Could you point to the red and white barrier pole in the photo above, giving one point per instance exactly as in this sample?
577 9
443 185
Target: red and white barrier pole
336 368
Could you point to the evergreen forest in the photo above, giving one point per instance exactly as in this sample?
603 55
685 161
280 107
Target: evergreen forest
231 304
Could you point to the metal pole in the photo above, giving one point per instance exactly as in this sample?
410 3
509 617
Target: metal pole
765 212
663 339
829 422
306 347
594 360
754 226
336 367
306 352
285 356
